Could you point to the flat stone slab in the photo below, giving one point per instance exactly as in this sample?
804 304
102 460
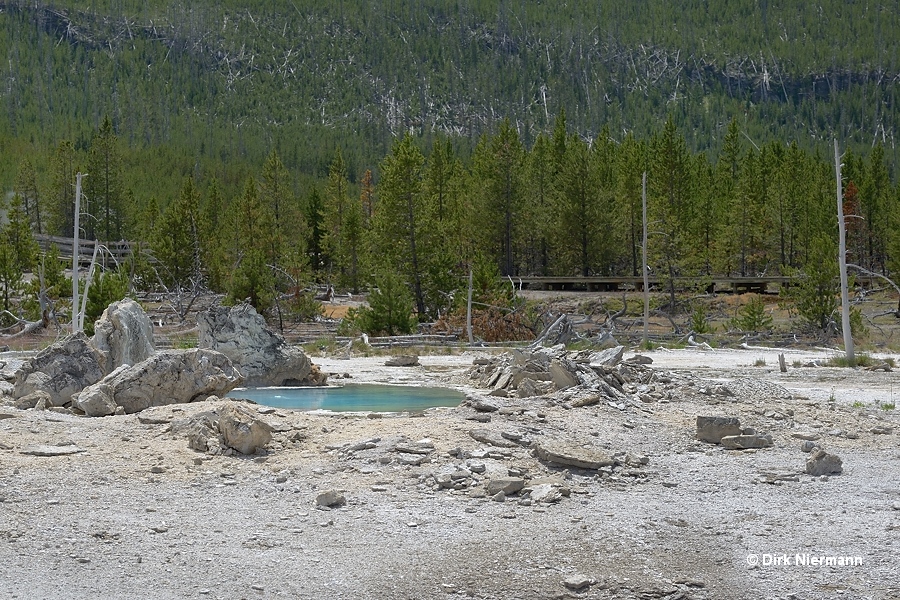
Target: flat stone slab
570 454
746 442
52 450
402 361
494 438
805 435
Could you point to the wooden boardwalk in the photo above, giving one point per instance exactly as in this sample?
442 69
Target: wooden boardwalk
734 285
120 251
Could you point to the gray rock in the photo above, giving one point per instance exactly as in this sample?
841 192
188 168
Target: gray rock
96 401
545 493
202 432
422 447
823 463
530 387
402 361
498 497
486 436
639 359
476 466
746 442
881 430
44 450
562 377
123 335
62 369
577 582
242 430
507 485
32 400
713 429
330 498
171 377
607 358
721 390
485 405
567 453
259 354
808 446
805 435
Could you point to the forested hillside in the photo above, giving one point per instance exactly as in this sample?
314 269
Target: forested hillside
255 147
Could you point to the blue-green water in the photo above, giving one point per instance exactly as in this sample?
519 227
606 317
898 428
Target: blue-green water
352 397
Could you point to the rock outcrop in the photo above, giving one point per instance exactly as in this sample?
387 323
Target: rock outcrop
167 377
261 356
62 369
123 335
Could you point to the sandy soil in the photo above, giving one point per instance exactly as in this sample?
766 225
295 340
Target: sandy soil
135 513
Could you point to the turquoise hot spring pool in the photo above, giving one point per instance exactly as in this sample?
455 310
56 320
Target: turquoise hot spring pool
352 397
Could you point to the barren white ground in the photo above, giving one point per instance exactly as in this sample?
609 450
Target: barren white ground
138 514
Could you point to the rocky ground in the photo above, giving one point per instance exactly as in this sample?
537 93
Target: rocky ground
480 501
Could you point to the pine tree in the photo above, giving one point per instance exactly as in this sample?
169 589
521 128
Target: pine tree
177 239
538 207
288 239
670 205
875 194
400 219
342 220
17 250
313 211
61 195
213 233
104 189
727 201
251 279
630 167
815 289
578 209
26 186
498 168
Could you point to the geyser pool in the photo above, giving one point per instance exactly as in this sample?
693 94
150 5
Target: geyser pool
352 397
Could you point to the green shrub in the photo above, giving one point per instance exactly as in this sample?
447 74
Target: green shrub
752 317
106 288
390 309
700 320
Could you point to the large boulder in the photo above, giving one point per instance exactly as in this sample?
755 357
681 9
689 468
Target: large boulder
61 369
123 335
167 377
261 355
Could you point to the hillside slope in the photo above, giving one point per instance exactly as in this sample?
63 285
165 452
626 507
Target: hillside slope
229 80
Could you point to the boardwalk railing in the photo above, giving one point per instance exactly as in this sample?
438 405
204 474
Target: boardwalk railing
120 251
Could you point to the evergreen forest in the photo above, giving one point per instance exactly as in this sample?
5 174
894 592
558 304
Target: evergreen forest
255 149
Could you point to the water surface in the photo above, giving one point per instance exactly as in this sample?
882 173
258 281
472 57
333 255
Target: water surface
353 397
